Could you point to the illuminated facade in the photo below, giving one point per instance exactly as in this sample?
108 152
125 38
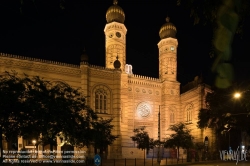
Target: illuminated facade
115 92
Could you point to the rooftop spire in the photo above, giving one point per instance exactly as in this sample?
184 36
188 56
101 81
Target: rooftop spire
167 19
115 2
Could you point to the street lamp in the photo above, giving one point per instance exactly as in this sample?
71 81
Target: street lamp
159 135
160 144
237 95
34 143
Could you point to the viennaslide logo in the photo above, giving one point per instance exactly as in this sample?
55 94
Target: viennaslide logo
237 155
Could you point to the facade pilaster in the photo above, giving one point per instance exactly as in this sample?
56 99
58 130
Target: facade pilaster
115 150
85 80
124 109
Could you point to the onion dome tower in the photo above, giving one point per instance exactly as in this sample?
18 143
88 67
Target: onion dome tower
115 13
168 51
115 34
167 30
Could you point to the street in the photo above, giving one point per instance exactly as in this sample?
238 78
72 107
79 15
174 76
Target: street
219 163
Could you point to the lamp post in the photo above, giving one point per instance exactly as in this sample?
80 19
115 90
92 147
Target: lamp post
159 135
159 155
34 143
237 95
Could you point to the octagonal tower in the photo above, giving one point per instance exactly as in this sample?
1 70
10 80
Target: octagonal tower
115 35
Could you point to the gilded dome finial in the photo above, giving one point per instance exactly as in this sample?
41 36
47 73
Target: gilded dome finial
115 13
167 19
115 2
167 30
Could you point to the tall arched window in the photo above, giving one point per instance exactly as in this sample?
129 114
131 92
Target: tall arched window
172 117
172 112
101 99
189 109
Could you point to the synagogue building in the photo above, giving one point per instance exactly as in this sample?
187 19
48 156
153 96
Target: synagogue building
114 91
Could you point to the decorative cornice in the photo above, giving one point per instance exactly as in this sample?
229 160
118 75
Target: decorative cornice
144 80
46 64
145 77
38 60
103 74
40 64
167 41
115 25
99 67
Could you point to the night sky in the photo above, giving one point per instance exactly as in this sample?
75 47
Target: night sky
44 29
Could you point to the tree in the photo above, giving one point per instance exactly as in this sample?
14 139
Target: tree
12 90
102 134
54 109
42 110
82 134
142 139
33 107
181 137
224 113
205 11
199 146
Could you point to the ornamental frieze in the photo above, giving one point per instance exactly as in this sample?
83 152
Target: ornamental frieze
39 66
124 85
171 86
143 90
170 92
143 123
114 26
101 74
142 96
166 42
171 98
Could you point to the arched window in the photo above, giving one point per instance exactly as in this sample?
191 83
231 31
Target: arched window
172 112
171 117
101 99
189 109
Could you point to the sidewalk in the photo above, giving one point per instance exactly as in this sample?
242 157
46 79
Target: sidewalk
149 162
184 162
197 163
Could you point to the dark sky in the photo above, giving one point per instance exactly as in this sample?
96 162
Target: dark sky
41 29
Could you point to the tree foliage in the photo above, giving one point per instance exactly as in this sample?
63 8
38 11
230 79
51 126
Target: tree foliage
205 11
102 134
12 91
40 109
180 138
55 109
223 112
35 108
228 17
142 139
